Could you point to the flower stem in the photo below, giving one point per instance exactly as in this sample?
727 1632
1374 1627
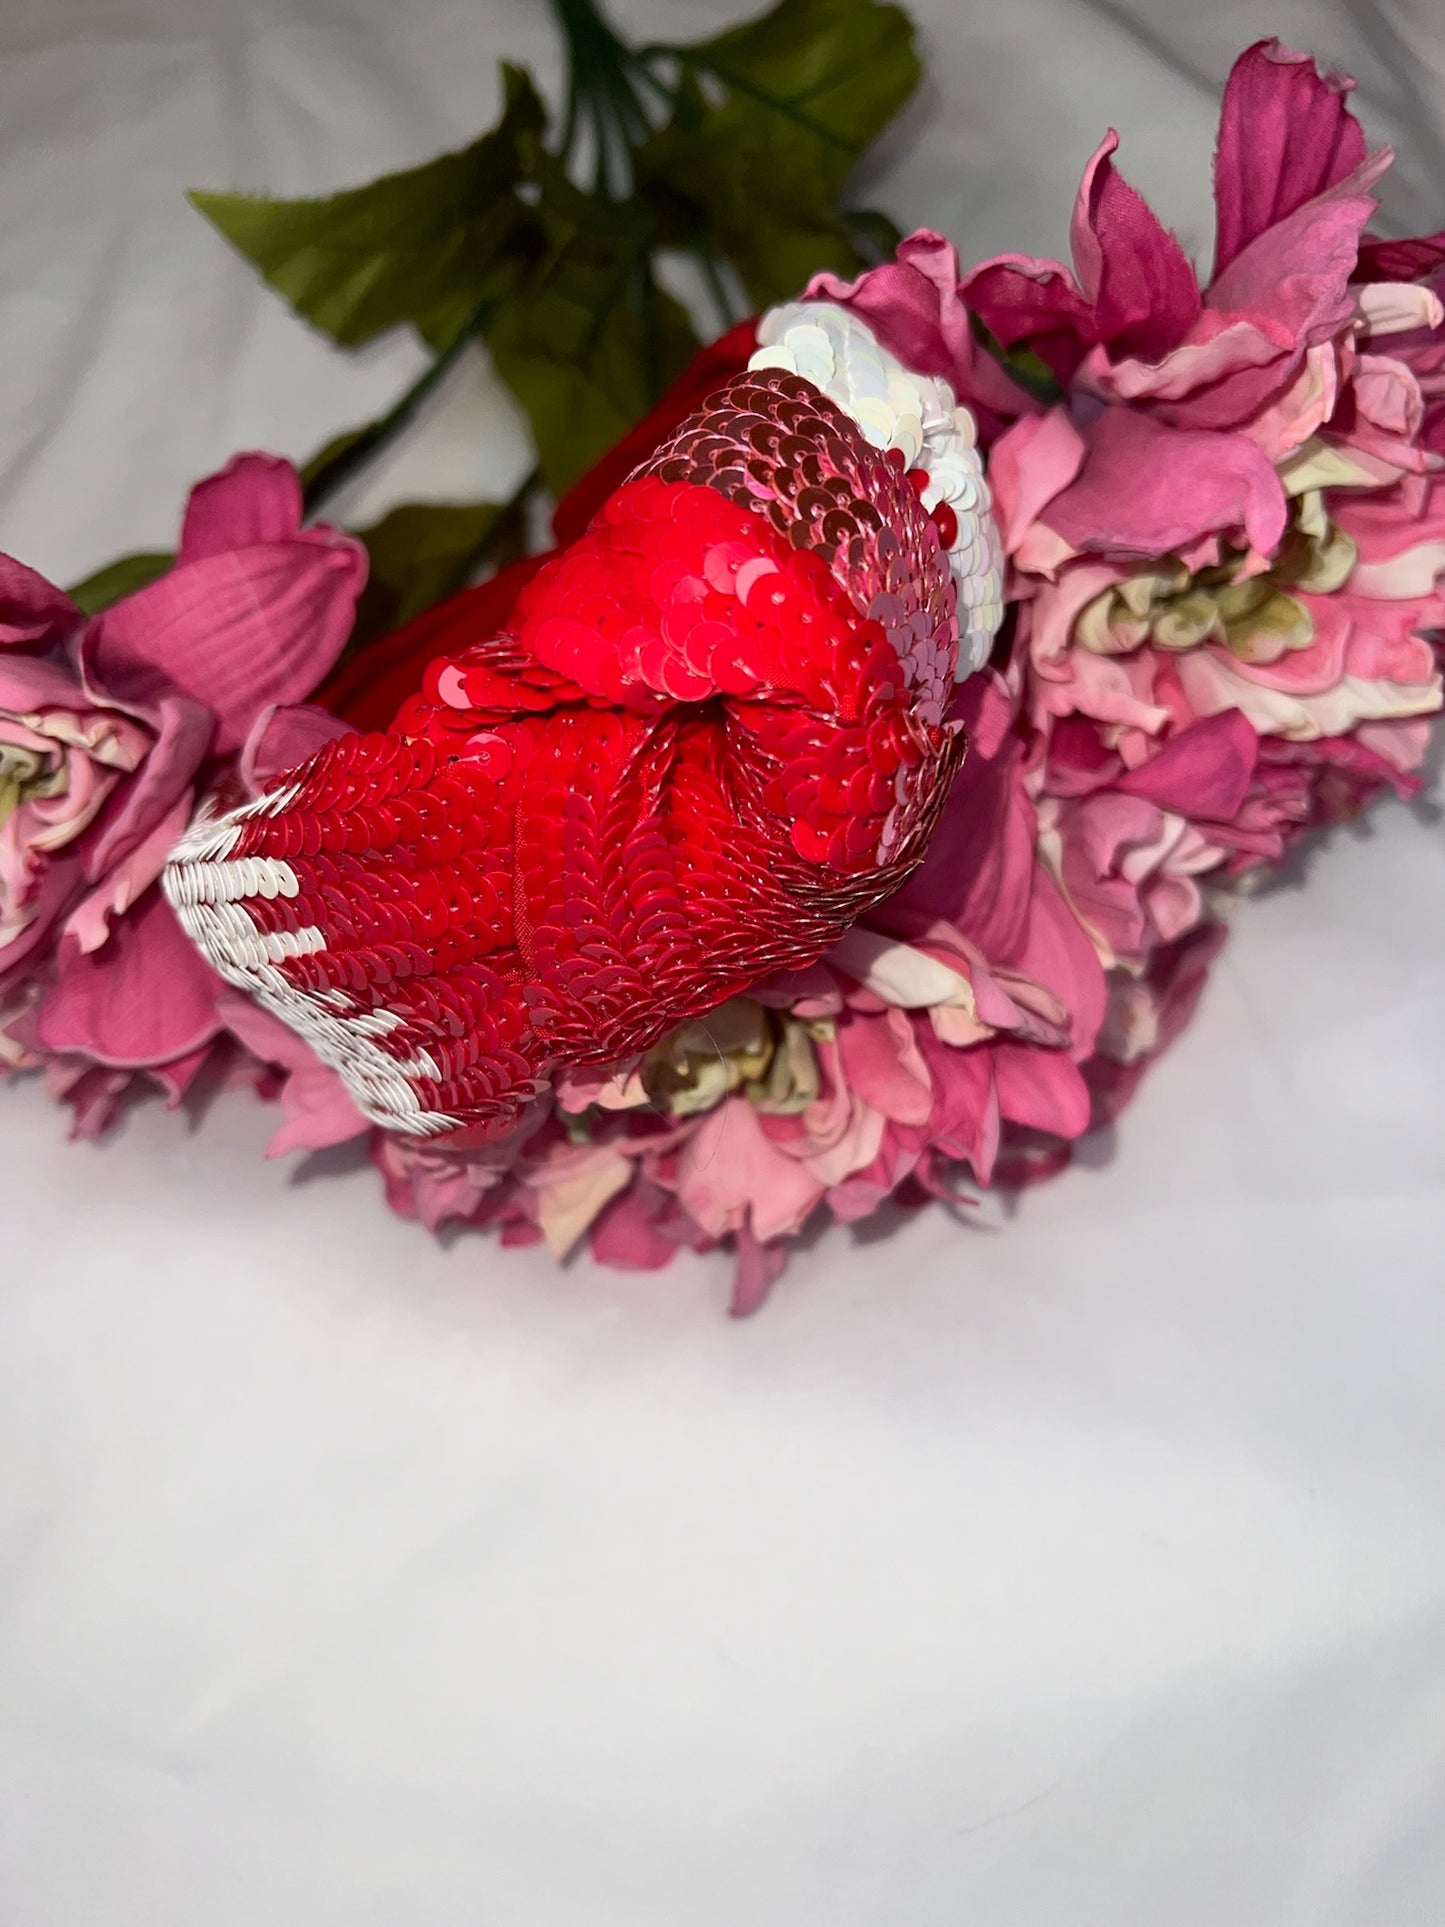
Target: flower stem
602 78
354 452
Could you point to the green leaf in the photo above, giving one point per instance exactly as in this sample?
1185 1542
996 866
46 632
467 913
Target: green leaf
427 246
333 466
119 578
422 552
589 341
804 90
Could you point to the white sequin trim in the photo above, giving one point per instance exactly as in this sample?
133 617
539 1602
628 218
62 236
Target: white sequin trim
208 889
918 414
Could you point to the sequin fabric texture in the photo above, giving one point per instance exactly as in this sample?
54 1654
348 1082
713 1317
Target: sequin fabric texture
714 735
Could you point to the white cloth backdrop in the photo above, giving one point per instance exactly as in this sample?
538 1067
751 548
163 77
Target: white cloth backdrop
1083 1569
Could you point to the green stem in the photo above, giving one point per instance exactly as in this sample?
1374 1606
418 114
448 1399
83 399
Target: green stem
601 81
334 474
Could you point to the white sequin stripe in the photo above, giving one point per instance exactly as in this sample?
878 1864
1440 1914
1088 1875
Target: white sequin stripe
918 414
208 890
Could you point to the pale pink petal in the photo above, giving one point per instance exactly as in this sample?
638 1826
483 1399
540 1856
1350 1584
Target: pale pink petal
728 1168
571 1198
1398 307
898 973
1218 346
1305 406
850 1149
882 1062
1388 395
1030 464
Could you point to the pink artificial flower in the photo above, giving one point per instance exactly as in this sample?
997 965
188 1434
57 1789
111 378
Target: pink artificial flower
965 1004
1233 534
1227 542
428 1182
110 729
1226 534
1132 324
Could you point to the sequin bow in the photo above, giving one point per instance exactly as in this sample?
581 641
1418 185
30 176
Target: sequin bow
715 733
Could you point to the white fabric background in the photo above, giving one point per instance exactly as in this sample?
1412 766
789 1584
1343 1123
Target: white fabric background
1085 1568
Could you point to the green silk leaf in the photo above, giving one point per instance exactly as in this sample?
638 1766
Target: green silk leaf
428 246
761 143
421 553
588 341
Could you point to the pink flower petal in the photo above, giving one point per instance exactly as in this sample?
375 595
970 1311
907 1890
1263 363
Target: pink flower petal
1397 308
283 736
882 1062
31 609
915 306
89 924
1400 260
1147 489
1292 279
255 499
728 1168
144 998
183 730
1018 298
1042 1089
1204 771
238 631
1285 135
1144 292
177 1077
1031 463
628 1232
965 1120
759 1266
317 1106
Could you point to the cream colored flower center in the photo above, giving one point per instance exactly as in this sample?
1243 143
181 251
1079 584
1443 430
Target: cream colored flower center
740 1046
26 775
1257 618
